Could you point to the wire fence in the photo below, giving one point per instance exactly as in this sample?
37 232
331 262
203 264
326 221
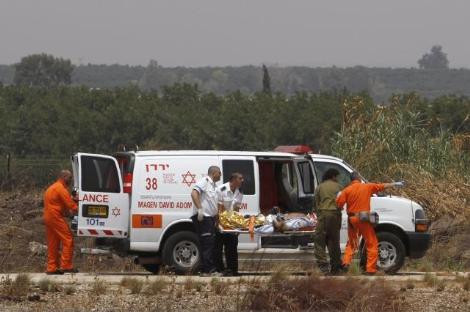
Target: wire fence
36 172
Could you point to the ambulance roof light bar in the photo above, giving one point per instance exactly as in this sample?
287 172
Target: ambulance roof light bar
294 149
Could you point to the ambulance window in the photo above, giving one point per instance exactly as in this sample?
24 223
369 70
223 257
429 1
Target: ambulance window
245 167
99 175
306 175
288 175
321 167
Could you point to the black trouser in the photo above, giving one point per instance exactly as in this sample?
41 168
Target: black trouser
230 242
206 232
327 235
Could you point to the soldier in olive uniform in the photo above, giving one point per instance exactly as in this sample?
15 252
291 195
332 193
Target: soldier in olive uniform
329 223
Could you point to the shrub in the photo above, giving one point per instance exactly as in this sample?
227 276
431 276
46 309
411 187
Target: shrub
43 284
98 287
322 294
156 287
133 284
69 290
18 287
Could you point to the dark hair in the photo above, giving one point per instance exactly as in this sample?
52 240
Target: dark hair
235 175
212 169
355 176
330 173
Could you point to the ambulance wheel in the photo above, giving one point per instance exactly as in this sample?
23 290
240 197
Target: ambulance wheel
151 267
182 252
391 256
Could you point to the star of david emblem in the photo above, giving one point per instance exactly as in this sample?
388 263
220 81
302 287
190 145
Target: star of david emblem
116 211
189 178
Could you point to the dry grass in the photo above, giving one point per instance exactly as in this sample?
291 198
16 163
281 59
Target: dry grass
46 285
464 281
431 280
410 284
322 294
156 287
219 287
98 287
354 269
43 284
69 290
133 284
16 288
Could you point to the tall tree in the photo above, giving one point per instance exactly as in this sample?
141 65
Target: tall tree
436 59
266 80
43 70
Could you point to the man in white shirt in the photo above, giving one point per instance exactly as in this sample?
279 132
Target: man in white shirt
205 199
230 198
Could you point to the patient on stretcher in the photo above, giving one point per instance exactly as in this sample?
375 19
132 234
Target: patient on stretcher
272 223
292 221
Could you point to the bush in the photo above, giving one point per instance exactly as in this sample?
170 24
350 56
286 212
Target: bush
16 288
98 287
322 294
156 287
133 284
396 142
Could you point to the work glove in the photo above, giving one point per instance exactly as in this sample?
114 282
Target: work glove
200 215
399 184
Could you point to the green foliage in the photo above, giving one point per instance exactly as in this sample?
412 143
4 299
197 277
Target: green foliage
41 124
43 70
378 138
380 83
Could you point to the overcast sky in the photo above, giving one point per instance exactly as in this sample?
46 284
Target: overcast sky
217 32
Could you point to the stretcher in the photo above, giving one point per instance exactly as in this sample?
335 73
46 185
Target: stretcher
299 232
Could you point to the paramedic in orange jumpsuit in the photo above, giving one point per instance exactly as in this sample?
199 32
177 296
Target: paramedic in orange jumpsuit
57 204
357 197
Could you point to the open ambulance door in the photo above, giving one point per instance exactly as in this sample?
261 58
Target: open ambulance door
306 182
103 206
248 167
299 177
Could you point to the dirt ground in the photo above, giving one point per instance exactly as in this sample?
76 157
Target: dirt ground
413 296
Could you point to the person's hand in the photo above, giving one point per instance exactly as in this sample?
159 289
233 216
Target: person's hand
399 184
200 215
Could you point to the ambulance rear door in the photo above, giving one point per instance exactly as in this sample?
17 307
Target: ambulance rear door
103 206
248 167
306 182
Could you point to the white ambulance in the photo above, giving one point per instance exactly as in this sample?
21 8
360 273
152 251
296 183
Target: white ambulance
138 203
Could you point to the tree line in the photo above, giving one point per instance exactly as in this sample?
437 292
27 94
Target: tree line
432 79
61 120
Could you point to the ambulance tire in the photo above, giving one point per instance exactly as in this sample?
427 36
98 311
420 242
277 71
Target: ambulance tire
391 249
182 252
151 267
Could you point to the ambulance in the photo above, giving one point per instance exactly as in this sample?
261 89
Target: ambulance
139 203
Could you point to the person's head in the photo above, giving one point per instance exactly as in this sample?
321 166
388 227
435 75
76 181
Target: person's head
236 179
355 176
214 173
331 174
66 177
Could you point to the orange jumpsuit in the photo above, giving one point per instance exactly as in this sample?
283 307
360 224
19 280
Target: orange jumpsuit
357 197
57 200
